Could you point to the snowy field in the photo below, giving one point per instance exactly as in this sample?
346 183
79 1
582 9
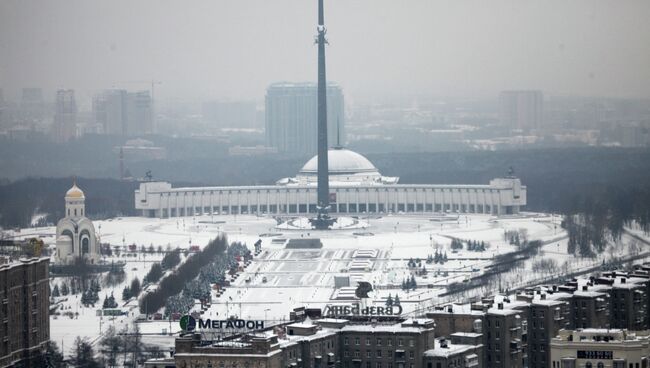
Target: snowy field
280 279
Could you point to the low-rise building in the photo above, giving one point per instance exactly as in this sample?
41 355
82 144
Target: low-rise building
446 354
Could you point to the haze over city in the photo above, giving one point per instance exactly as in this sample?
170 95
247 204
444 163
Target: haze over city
234 49
325 184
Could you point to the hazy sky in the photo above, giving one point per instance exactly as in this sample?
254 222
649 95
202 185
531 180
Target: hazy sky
234 48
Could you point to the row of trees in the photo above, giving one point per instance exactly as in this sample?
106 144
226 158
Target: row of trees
133 290
174 283
472 245
212 273
409 283
593 221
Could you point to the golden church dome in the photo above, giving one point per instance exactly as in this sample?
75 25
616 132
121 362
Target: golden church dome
75 192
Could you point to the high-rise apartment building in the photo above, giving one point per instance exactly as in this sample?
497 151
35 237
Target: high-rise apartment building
292 113
124 113
24 312
65 116
521 110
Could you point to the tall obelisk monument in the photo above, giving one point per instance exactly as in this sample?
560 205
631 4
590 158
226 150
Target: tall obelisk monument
323 221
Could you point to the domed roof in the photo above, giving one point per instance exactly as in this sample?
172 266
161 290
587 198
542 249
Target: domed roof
341 161
75 192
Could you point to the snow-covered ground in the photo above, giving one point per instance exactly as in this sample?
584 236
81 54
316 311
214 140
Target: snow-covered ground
280 279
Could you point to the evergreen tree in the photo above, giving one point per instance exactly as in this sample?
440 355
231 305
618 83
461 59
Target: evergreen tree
126 293
396 300
135 287
389 301
154 274
110 346
413 284
51 357
55 291
64 289
444 258
83 354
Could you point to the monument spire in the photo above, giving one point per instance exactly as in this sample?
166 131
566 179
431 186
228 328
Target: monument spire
322 221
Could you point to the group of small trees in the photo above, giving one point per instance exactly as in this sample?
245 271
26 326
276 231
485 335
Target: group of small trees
109 302
409 283
90 296
437 257
472 245
154 274
65 290
115 275
132 291
171 259
476 246
456 244
391 302
516 237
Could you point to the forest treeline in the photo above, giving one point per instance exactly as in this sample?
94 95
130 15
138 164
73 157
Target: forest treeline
571 180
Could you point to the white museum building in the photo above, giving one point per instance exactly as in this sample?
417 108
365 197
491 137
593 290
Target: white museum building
75 233
356 187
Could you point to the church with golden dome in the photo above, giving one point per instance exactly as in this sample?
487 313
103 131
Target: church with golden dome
75 233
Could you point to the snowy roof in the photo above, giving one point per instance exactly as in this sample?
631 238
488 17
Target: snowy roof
450 350
341 161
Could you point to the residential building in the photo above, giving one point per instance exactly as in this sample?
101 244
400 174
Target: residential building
521 110
291 117
24 314
600 348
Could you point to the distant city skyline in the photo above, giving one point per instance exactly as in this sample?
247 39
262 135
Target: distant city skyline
383 49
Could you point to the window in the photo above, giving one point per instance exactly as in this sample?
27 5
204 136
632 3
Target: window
367 341
345 341
379 341
400 342
411 343
369 354
356 341
378 353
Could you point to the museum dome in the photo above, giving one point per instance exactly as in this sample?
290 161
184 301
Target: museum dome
341 161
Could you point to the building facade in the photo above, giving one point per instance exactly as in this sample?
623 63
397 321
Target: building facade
356 187
124 113
291 117
600 348
65 116
24 314
521 110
